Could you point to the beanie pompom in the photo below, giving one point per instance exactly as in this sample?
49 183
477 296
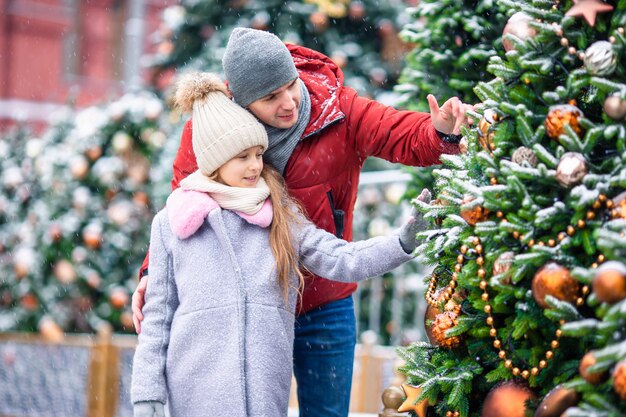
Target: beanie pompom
196 86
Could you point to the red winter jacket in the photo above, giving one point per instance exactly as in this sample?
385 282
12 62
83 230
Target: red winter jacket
323 171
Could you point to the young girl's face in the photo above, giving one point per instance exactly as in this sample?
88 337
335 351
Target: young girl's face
244 170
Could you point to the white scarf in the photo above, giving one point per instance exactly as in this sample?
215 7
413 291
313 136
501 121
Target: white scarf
245 200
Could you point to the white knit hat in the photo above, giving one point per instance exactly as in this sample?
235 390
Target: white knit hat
221 128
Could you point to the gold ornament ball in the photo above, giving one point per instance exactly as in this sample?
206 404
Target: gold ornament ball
619 206
92 236
121 142
392 397
556 402
79 167
506 400
50 330
64 272
320 21
609 282
119 298
615 107
555 280
126 320
260 21
619 379
93 279
55 232
141 198
561 115
517 25
586 362
356 10
340 59
94 152
571 170
443 322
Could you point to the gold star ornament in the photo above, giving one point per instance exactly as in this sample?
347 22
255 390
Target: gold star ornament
412 393
588 9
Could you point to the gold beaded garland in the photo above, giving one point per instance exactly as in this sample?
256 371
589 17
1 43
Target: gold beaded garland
493 332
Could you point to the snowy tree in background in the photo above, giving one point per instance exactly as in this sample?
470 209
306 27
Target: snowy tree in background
79 228
527 301
360 36
453 42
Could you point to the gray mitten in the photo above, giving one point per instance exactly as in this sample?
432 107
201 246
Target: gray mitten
148 409
414 224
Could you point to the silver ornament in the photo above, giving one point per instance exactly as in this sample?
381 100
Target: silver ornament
518 26
571 169
524 154
600 59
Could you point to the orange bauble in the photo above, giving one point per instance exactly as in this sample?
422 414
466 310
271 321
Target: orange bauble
560 116
320 21
609 282
50 330
507 400
555 280
475 214
556 402
29 301
119 298
64 271
92 237
619 379
592 377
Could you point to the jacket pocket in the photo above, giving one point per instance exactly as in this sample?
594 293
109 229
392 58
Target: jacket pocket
338 215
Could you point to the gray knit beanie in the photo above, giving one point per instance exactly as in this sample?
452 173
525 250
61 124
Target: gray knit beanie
221 129
255 64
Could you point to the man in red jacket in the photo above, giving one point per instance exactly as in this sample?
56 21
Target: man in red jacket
320 133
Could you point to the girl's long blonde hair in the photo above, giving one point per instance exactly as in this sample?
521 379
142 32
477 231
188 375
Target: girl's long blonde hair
286 212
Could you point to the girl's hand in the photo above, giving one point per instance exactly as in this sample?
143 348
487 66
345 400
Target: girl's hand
414 224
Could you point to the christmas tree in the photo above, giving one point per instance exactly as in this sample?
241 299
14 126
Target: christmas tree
360 36
453 43
527 301
76 217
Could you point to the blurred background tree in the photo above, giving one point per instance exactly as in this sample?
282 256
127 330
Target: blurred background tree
76 212
527 301
360 36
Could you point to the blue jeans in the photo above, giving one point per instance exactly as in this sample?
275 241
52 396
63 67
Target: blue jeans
323 355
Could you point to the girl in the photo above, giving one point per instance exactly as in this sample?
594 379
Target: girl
225 272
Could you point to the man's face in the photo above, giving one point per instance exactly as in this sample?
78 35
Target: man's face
280 107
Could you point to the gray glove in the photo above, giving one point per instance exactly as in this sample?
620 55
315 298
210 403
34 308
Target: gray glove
414 224
148 409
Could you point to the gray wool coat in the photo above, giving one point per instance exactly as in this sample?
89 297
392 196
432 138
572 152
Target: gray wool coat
217 335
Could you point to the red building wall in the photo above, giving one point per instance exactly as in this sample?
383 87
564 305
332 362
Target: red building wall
53 52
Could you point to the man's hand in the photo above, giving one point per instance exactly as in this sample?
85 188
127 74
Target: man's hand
450 116
138 302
